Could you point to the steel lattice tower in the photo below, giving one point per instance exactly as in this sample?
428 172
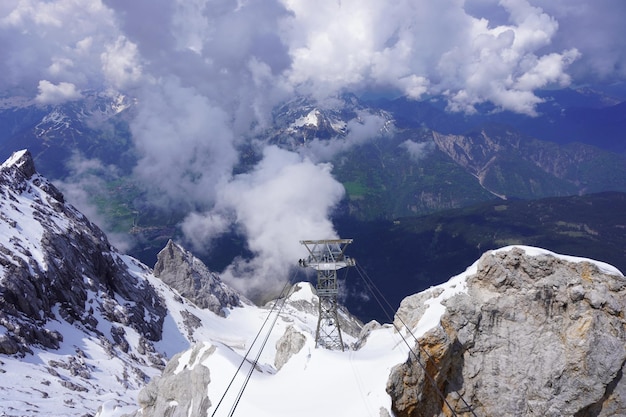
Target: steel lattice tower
326 257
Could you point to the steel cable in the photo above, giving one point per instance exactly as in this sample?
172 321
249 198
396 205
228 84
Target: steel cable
244 359
371 287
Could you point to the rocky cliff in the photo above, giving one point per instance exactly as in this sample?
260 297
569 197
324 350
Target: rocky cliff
82 325
507 164
57 264
185 273
533 335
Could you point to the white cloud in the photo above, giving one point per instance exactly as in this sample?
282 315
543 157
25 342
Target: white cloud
417 150
185 144
421 47
474 50
121 65
201 228
88 178
285 199
59 41
596 30
56 94
547 69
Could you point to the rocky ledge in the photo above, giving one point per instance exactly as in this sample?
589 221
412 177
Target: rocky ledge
538 335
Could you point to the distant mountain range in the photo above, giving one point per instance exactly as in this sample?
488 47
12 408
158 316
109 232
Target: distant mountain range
420 160
566 116
384 181
97 126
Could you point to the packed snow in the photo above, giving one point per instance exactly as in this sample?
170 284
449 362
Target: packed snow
310 119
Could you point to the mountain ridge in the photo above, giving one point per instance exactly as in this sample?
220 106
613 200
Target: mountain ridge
95 326
82 324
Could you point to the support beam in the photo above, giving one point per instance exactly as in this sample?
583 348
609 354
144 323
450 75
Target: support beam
326 257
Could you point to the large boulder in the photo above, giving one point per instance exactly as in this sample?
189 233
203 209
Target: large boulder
288 345
532 336
179 392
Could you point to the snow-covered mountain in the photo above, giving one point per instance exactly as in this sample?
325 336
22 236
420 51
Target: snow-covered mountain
300 121
85 330
96 125
80 324
83 327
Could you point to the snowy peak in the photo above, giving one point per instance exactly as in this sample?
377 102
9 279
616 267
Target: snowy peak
96 126
323 122
19 174
89 325
73 118
53 261
301 120
22 161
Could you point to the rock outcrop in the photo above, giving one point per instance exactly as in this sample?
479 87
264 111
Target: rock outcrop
179 392
84 326
186 274
288 345
57 264
532 336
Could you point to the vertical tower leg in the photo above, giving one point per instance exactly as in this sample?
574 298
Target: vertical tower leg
327 256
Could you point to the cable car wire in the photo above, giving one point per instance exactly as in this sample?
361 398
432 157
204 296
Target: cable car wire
282 297
378 295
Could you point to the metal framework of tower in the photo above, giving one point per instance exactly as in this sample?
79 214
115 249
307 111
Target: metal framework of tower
327 257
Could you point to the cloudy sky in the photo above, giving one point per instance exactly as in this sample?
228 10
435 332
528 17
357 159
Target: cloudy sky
206 74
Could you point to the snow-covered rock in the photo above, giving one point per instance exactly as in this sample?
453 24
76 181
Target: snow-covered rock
55 264
522 331
80 324
301 121
288 375
532 334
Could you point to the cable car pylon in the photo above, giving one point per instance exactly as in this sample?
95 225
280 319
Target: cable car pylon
327 257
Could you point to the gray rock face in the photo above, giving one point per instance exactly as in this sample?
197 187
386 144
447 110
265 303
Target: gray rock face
497 157
288 345
58 262
179 392
533 336
185 273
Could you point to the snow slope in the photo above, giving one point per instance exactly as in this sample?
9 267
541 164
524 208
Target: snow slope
87 371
